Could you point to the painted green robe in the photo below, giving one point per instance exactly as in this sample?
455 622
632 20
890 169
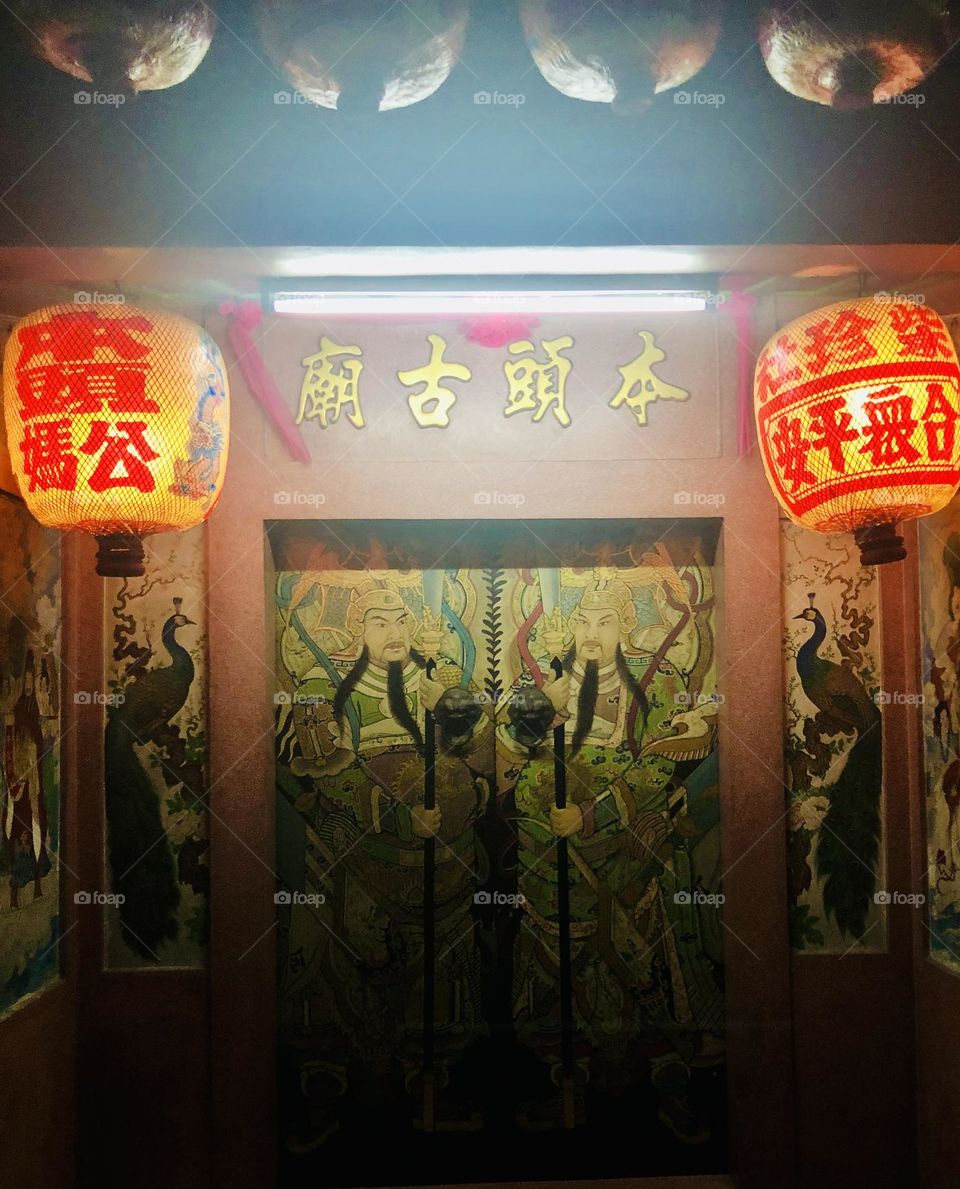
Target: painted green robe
639 970
361 969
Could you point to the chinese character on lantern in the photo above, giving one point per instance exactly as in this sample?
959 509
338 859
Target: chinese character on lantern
48 460
831 422
774 369
122 454
840 338
857 408
920 332
117 422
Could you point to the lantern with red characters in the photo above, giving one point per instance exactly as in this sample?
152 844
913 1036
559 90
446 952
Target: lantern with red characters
117 423
857 406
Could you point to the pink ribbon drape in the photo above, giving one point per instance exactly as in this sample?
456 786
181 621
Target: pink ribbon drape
740 307
243 317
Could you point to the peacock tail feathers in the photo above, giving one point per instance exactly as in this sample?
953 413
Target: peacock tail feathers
849 839
141 861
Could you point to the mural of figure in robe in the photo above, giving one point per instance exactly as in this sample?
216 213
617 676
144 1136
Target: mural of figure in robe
642 828
629 621
25 808
352 826
29 754
939 569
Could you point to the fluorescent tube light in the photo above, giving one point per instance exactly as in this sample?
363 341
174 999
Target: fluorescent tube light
464 304
610 260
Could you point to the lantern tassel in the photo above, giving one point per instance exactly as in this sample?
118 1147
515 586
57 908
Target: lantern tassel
242 318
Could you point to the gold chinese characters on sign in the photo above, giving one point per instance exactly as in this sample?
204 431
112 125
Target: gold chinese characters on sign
536 375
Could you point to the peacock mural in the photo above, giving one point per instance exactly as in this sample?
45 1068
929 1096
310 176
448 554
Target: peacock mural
939 565
833 746
155 760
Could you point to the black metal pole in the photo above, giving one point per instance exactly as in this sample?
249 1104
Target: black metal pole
429 912
563 910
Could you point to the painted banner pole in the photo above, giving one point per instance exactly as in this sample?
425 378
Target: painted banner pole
433 619
429 912
563 910
553 636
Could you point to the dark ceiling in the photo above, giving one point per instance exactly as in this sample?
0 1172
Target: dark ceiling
215 161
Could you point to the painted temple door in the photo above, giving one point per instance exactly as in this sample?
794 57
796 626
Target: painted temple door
469 1031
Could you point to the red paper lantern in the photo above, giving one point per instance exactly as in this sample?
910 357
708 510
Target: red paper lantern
857 407
117 423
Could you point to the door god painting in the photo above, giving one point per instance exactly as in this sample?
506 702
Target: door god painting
441 968
639 711
351 728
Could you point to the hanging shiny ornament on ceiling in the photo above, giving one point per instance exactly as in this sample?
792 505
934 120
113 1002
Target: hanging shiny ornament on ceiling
119 47
117 422
851 53
857 407
621 52
364 56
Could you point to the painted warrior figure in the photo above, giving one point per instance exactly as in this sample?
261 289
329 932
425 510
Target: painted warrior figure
24 810
643 990
353 977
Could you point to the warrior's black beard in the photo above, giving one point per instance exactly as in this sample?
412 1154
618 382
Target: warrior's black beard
397 701
589 687
586 704
396 693
349 684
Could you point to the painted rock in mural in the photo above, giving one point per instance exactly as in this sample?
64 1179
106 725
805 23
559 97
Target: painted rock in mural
851 53
120 46
623 51
364 56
